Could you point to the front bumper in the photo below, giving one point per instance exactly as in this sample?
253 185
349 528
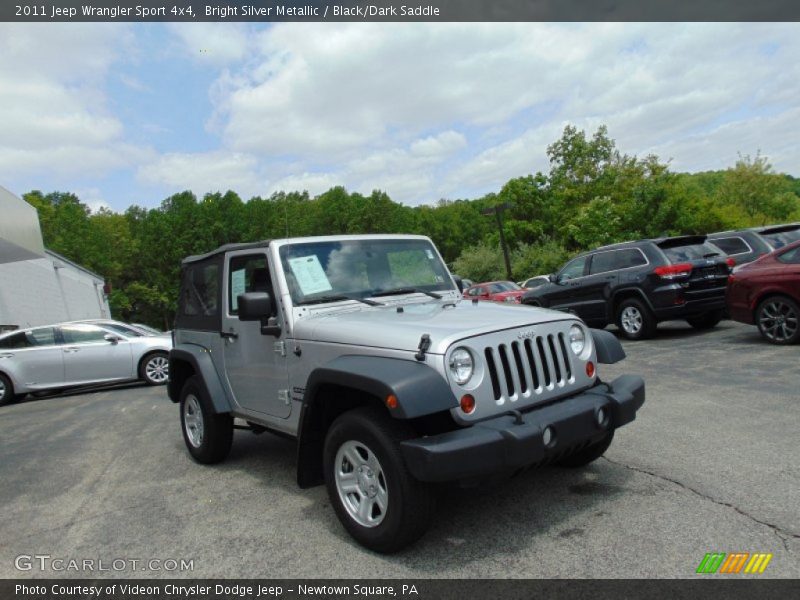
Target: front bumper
507 443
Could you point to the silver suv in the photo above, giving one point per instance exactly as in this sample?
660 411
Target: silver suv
362 350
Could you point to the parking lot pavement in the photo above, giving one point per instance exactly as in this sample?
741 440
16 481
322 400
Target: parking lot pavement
712 463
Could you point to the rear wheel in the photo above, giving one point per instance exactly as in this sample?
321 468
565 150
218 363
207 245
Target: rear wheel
375 497
706 321
208 435
587 455
777 320
634 319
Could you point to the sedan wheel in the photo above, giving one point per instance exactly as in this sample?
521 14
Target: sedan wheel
777 319
155 369
6 392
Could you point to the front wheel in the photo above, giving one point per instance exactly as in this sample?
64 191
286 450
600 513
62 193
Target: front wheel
6 390
375 497
707 320
208 435
587 455
154 368
634 319
777 320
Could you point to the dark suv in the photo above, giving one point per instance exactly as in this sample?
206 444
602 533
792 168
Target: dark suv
638 284
746 245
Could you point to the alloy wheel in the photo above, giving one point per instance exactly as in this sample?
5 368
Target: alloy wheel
157 369
193 420
361 484
631 319
778 320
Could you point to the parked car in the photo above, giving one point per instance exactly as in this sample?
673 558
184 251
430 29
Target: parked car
766 292
495 291
129 329
151 330
638 284
361 349
746 245
534 282
76 354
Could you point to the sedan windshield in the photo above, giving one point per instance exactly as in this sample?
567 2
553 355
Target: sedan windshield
503 286
357 269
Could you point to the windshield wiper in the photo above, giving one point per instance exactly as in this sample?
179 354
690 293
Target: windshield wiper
337 298
710 254
405 290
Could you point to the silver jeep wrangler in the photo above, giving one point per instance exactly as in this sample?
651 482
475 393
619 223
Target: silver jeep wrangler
362 349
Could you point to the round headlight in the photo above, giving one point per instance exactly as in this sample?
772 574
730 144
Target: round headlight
577 339
461 365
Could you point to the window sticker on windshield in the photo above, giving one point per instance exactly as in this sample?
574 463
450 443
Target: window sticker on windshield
429 253
310 275
237 287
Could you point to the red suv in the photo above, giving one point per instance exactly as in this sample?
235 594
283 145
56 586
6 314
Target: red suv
496 291
766 292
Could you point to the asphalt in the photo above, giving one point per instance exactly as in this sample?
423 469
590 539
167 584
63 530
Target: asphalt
711 464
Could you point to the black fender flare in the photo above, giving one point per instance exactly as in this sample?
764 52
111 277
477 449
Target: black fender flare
608 347
419 389
199 358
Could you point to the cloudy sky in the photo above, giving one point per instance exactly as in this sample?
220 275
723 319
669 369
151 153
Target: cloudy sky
127 114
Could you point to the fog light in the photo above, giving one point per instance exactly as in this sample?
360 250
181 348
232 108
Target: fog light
467 403
590 369
548 437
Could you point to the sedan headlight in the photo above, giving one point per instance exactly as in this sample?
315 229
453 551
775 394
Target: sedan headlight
577 339
461 365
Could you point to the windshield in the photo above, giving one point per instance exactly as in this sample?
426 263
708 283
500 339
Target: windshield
678 254
123 329
360 268
781 238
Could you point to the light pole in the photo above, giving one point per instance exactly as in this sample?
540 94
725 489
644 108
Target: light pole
497 211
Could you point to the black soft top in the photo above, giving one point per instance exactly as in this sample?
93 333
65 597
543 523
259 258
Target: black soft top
225 248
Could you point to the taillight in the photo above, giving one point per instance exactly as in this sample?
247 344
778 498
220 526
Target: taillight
674 271
731 262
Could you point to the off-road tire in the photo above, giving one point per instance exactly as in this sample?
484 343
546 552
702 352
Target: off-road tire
411 503
217 428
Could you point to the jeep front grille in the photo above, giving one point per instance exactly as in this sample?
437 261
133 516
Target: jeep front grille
529 366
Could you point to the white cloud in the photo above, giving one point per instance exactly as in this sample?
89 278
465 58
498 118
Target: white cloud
53 116
206 172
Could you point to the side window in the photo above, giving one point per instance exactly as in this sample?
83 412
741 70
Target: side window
631 257
573 269
201 290
603 262
247 274
791 257
44 336
82 334
18 340
731 245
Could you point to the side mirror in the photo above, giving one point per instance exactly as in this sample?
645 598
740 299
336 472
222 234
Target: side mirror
257 306
110 337
459 283
553 278
254 306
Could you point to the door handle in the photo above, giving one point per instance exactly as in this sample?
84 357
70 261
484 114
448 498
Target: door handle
71 349
228 335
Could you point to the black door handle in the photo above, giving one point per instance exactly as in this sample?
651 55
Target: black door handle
228 335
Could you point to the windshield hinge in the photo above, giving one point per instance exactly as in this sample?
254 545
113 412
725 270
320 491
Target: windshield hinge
424 345
280 348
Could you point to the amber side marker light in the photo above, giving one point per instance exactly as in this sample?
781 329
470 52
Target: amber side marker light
590 369
467 403
391 401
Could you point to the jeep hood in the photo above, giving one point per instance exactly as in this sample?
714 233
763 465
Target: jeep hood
386 327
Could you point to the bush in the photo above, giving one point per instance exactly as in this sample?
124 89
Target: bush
483 262
541 258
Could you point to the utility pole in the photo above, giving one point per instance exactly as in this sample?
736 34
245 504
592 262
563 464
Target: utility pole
497 211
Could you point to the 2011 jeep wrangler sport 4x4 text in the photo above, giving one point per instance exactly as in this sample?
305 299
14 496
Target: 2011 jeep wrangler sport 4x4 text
362 349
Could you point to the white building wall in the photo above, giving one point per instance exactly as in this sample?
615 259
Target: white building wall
36 292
